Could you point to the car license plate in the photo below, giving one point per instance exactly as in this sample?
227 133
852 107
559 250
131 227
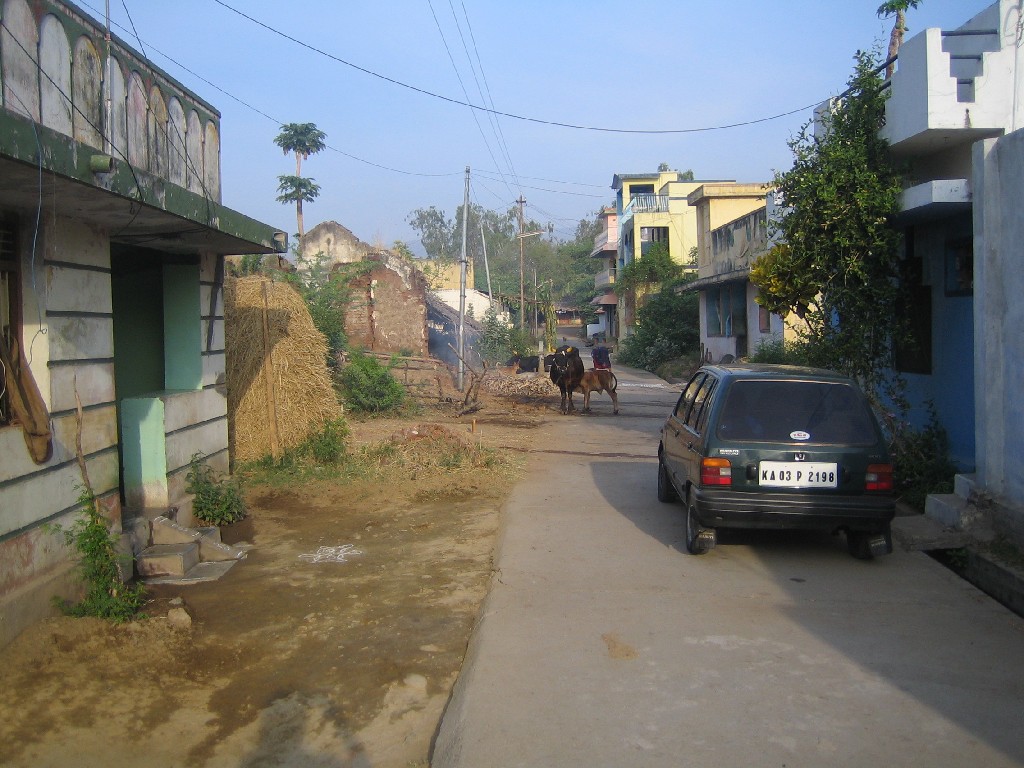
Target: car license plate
798 474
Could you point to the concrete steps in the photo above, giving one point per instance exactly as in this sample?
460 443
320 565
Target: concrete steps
950 520
166 552
964 521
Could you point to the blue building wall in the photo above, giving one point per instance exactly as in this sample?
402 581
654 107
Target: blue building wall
950 385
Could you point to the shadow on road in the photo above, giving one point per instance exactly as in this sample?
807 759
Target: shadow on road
902 617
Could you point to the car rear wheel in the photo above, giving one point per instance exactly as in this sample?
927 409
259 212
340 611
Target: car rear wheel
698 538
865 546
666 491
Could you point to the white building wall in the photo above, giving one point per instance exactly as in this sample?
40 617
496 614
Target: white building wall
479 302
999 317
930 99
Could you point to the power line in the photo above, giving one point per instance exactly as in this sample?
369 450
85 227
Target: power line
525 118
261 113
381 166
462 85
489 99
554 191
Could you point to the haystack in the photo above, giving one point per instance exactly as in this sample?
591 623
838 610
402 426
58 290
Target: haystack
279 385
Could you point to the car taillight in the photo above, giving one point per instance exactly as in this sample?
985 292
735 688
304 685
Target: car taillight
715 472
878 477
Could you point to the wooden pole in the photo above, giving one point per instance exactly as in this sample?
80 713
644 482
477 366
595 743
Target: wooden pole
268 378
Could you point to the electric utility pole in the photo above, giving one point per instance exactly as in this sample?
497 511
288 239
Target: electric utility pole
522 296
462 284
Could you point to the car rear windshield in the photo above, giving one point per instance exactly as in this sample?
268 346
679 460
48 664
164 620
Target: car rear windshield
779 411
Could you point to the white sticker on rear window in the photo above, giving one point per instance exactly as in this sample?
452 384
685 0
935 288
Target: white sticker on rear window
799 435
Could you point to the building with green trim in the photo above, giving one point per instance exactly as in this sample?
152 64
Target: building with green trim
112 246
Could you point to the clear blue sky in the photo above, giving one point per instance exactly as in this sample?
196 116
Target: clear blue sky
658 65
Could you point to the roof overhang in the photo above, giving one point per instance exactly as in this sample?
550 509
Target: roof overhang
700 284
43 169
606 299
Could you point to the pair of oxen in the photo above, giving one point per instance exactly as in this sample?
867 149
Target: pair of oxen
569 374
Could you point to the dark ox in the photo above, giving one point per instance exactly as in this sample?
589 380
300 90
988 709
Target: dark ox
524 364
566 373
599 380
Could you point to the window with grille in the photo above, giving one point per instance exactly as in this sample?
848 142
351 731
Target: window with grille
9 307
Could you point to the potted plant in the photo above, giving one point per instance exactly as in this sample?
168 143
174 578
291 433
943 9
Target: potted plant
216 501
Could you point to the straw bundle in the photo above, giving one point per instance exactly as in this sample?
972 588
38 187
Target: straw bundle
279 385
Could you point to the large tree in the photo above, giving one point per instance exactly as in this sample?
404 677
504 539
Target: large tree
302 139
838 263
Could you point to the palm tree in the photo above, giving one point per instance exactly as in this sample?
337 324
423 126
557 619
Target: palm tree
304 139
897 8
295 189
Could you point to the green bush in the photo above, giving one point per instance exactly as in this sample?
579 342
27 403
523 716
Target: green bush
500 341
369 387
668 327
326 294
920 457
215 502
776 351
328 445
106 594
323 454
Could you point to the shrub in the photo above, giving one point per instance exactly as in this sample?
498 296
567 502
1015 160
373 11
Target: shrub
921 463
328 445
369 387
215 502
667 328
776 351
500 341
106 594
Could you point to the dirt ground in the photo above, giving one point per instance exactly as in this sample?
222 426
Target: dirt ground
290 659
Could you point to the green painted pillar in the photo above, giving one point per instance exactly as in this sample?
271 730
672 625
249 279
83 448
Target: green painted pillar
183 328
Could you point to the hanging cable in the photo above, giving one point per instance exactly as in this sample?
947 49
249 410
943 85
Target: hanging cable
462 85
525 118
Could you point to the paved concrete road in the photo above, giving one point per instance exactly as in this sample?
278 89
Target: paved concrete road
602 643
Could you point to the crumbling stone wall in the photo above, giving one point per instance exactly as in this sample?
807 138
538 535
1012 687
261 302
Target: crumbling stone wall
336 242
387 309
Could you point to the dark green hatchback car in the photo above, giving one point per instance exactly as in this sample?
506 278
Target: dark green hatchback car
782 447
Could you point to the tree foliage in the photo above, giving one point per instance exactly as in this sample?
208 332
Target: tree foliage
303 139
326 295
500 340
897 8
564 266
838 266
654 268
296 189
667 327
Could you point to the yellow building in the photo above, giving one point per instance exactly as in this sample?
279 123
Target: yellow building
652 208
445 275
732 232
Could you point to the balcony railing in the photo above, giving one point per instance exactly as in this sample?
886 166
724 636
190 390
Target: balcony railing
646 203
604 279
604 242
